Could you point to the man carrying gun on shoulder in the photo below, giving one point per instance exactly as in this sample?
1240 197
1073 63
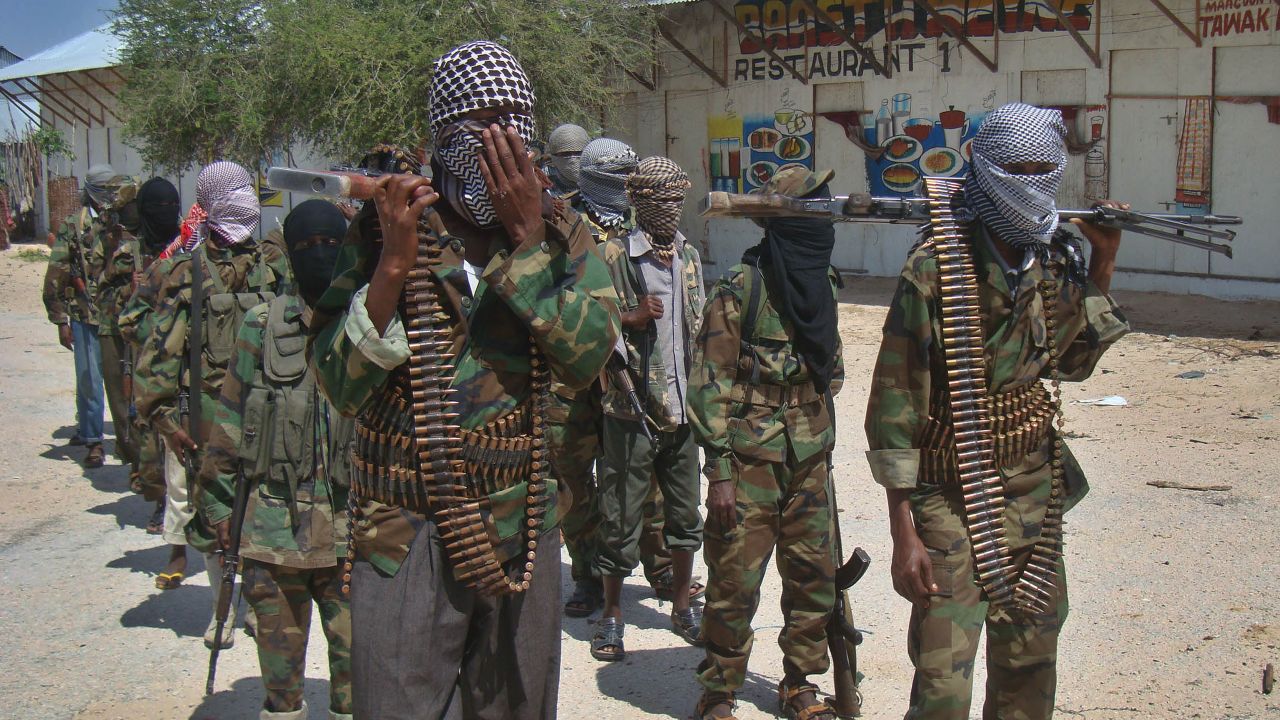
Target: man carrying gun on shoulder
961 428
279 448
768 361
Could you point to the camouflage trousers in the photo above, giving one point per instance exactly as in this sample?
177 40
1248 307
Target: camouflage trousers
783 505
113 349
150 480
942 640
282 598
573 435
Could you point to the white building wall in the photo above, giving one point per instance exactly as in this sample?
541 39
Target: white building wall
1137 100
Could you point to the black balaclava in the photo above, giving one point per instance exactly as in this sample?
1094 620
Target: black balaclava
158 208
795 258
313 261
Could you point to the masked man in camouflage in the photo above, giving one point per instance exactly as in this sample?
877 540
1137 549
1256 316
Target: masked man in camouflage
564 154
1037 313
273 426
71 294
768 362
158 211
237 273
440 328
574 419
658 276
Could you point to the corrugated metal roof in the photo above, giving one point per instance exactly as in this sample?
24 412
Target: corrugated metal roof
94 49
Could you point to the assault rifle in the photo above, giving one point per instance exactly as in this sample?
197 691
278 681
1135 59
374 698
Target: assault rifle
620 376
843 637
230 567
1194 230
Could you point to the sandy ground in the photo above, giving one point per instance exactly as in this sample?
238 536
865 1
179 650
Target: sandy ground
1173 592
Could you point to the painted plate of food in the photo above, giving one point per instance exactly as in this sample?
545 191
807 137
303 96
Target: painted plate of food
901 177
966 149
941 162
902 149
793 147
760 172
763 139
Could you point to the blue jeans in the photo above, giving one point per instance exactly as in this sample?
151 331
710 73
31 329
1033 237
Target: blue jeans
88 382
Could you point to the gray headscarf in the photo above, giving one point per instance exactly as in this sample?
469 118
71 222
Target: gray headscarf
564 146
101 184
1022 210
606 165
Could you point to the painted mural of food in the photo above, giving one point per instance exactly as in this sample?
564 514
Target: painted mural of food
763 139
901 177
792 148
902 148
941 162
760 172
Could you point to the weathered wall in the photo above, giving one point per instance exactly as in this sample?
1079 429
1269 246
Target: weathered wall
1150 107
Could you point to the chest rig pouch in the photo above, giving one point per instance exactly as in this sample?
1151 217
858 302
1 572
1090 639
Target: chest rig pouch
279 444
222 312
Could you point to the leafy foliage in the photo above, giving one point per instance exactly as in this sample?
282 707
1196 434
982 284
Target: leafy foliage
240 78
52 143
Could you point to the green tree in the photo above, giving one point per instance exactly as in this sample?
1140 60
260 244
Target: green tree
240 78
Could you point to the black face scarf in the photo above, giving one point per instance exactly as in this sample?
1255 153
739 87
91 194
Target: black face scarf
795 258
306 230
158 206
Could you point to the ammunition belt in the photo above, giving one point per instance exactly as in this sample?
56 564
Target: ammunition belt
1020 422
411 453
975 432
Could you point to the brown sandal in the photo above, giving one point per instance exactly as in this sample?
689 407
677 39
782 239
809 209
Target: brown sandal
712 700
818 711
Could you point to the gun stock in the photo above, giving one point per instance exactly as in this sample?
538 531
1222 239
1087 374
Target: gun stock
619 375
326 183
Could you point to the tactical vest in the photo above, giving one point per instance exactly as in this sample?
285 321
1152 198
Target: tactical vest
286 422
223 312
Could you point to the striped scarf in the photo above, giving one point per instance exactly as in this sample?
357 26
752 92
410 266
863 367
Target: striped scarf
657 190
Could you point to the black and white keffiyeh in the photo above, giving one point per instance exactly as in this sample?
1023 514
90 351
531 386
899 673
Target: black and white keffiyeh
225 191
606 165
1022 210
475 76
657 190
564 147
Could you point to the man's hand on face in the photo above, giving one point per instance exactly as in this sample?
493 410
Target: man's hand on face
514 186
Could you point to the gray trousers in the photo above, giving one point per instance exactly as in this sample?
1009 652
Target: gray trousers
425 646
629 468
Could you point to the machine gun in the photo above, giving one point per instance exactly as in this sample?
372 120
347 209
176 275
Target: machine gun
620 376
1194 230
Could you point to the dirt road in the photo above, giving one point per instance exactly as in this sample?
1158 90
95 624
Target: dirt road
1173 592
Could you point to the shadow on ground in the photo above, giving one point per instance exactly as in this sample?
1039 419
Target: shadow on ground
130 511
185 611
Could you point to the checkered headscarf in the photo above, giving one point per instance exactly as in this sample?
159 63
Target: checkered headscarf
1020 209
565 146
657 190
226 193
475 76
606 165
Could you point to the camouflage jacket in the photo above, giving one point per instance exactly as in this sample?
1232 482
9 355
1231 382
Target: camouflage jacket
72 258
562 298
651 381
116 284
296 516
760 406
160 313
910 363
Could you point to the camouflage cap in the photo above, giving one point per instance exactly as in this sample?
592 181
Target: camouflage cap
795 182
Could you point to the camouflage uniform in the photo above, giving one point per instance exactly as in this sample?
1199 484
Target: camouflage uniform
70 260
117 253
422 641
628 456
766 429
134 329
162 308
295 456
573 435
943 638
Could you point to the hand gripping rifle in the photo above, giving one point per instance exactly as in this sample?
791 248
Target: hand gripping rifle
230 566
620 376
1194 230
843 637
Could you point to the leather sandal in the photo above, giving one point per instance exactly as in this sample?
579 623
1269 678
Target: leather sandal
710 702
606 643
586 599
820 710
662 587
687 624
